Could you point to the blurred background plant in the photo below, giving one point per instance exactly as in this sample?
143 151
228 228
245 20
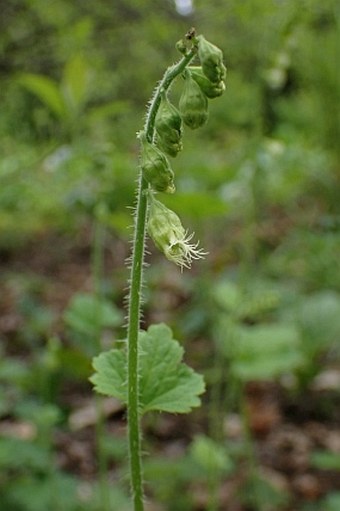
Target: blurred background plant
260 316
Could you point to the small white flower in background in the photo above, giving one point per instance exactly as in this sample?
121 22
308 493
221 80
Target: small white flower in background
169 236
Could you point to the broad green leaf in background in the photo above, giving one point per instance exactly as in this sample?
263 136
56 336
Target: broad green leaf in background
66 99
326 460
259 492
246 303
87 314
75 82
119 500
210 455
331 502
17 454
197 204
110 109
46 90
36 494
13 371
266 351
319 319
227 295
166 383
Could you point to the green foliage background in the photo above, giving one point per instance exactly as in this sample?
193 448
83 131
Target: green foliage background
259 184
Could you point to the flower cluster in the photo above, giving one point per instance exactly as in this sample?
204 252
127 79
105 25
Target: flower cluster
201 83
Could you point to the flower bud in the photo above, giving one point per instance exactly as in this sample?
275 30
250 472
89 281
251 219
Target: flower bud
210 89
168 124
193 104
169 236
182 46
156 168
211 59
172 149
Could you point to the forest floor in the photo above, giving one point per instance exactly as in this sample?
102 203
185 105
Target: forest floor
285 428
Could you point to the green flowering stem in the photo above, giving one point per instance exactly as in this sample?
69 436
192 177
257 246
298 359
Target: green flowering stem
170 74
134 436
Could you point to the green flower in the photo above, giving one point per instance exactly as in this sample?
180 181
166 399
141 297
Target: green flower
210 89
211 59
156 167
168 124
170 237
193 104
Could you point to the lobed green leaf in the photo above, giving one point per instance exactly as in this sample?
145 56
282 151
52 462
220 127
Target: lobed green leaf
165 382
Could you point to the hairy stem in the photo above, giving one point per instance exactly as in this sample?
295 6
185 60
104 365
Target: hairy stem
134 436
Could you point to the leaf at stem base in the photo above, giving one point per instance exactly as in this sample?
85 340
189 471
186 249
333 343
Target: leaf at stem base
165 382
